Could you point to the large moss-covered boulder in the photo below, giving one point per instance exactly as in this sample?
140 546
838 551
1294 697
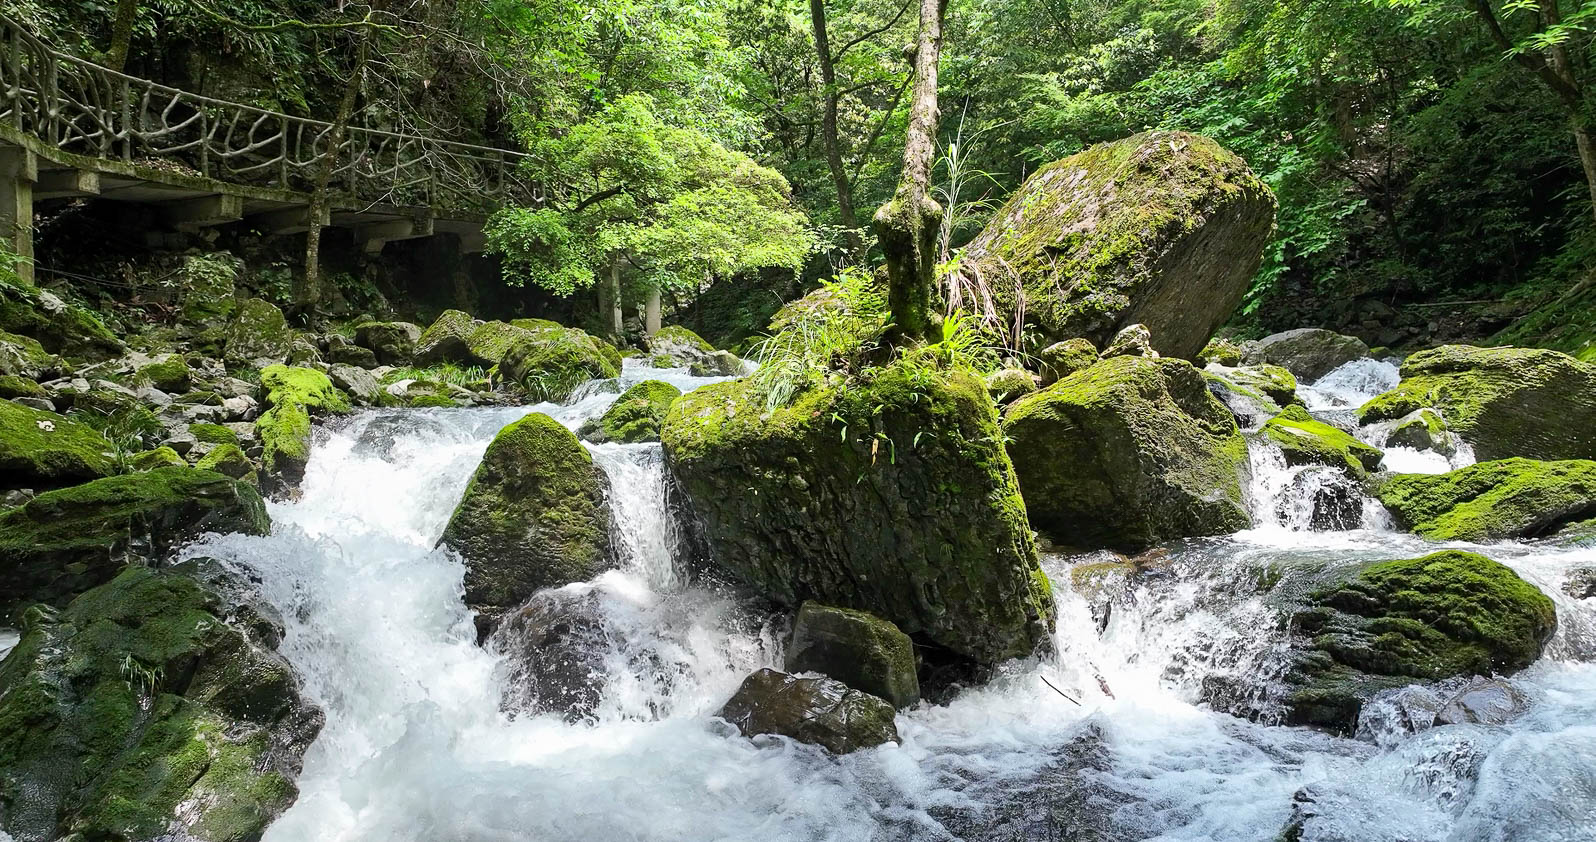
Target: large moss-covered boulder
294 394
393 343
40 449
1309 353
891 495
258 334
206 285
551 362
820 711
1163 229
1306 441
1128 453
635 416
1507 498
857 648
169 373
63 542
150 708
23 356
1392 623
307 387
1503 402
59 327
534 516
446 339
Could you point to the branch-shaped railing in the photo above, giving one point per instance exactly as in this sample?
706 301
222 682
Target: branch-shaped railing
80 107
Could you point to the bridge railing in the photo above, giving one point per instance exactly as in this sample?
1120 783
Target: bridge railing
80 107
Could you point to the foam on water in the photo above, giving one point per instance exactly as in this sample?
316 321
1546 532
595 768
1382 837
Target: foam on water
418 744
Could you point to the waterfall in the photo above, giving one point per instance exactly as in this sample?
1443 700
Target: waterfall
431 736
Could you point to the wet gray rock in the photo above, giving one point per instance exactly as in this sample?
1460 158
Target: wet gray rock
1308 353
859 649
357 381
1132 341
820 711
393 343
1581 583
554 646
1484 701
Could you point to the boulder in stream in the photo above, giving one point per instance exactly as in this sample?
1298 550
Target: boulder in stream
1487 501
1162 228
1309 353
820 710
634 417
891 495
857 648
550 363
1307 441
1128 453
534 516
392 343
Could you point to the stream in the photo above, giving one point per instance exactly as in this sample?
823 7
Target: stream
418 744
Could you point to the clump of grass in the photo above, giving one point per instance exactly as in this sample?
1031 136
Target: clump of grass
468 377
130 429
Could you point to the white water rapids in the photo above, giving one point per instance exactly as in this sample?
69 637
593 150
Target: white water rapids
416 746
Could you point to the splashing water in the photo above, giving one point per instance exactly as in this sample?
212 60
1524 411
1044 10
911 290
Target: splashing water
419 744
8 641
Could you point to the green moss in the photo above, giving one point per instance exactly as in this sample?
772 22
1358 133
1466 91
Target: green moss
1424 430
678 335
662 361
445 340
160 457
550 364
258 331
284 433
306 387
169 375
635 416
857 648
68 330
20 387
43 450
431 401
489 340
207 284
889 493
1305 441
1508 498
229 461
536 324
213 433
1220 351
23 356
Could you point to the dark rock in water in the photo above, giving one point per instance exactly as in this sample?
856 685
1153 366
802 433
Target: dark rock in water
1508 498
555 645
1504 402
1127 453
859 649
1163 228
393 343
1485 701
150 708
534 516
1581 583
1335 501
1308 353
63 542
820 711
890 495
1391 623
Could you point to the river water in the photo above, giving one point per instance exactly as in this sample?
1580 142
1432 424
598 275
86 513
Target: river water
418 745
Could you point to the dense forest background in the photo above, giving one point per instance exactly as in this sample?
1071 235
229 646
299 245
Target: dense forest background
1423 152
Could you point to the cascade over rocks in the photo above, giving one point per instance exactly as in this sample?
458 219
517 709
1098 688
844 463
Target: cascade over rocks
1128 453
634 417
534 516
820 711
40 449
1309 353
555 647
1489 501
1503 402
1163 229
892 496
63 542
1391 623
857 648
150 708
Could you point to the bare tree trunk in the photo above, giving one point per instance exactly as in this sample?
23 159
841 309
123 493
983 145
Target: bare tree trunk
651 313
907 225
309 292
828 126
121 34
612 292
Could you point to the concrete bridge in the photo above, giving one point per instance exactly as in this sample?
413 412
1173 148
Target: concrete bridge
70 128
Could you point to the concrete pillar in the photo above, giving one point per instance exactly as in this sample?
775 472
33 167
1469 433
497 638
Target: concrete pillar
19 169
651 313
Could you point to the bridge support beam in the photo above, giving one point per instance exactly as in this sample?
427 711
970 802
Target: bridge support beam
204 212
66 184
378 234
288 220
19 168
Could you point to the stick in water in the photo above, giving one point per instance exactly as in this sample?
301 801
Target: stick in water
1056 690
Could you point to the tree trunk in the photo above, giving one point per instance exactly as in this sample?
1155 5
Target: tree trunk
121 34
1587 156
907 225
828 127
651 313
309 292
612 291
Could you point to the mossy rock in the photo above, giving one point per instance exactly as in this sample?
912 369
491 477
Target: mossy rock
139 713
891 495
63 542
258 334
12 386
285 436
431 402
160 457
447 340
550 364
1308 353
1503 402
856 648
489 341
393 343
282 384
41 449
207 284
170 374
1423 430
1164 229
1061 359
536 324
820 711
1392 623
1306 441
1270 381
1128 453
1220 351
635 416
23 356
229 461
1007 384
1507 498
533 516
683 348
60 328
213 433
